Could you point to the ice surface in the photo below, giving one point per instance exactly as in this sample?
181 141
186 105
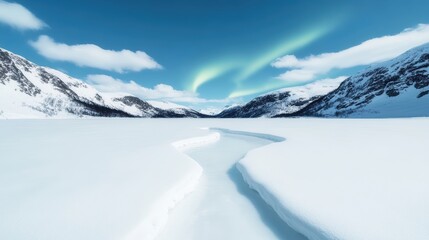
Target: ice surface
223 206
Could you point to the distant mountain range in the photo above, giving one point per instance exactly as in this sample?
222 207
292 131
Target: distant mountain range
283 101
397 88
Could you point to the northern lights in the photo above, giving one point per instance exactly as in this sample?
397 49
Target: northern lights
293 43
246 68
211 73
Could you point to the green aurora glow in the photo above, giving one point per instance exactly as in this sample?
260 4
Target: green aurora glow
246 69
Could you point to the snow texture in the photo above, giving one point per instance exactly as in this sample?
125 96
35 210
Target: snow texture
223 206
117 178
352 179
93 179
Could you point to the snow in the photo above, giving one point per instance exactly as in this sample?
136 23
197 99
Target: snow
283 101
186 144
88 92
301 93
52 101
404 105
210 111
352 179
318 88
121 178
354 101
179 109
91 179
18 105
223 206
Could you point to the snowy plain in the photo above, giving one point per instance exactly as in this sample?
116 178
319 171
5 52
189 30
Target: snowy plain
120 178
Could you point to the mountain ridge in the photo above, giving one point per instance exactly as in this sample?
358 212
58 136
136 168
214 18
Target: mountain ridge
395 88
286 100
31 91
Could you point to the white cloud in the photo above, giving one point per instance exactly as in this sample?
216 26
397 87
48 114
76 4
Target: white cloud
106 83
90 55
17 16
371 51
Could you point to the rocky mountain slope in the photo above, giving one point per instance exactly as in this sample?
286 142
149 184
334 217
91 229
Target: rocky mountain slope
31 91
176 110
397 88
283 101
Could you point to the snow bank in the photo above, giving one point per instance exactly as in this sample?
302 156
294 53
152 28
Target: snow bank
93 179
158 215
353 179
282 209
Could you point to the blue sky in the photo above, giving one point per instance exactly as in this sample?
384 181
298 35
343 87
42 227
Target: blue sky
207 53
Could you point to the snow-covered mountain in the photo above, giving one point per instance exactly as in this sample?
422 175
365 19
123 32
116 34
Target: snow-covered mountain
176 110
283 101
210 111
31 91
397 88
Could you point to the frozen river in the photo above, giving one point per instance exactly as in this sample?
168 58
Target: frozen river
223 206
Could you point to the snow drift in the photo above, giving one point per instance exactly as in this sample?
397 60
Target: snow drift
117 178
93 179
346 179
